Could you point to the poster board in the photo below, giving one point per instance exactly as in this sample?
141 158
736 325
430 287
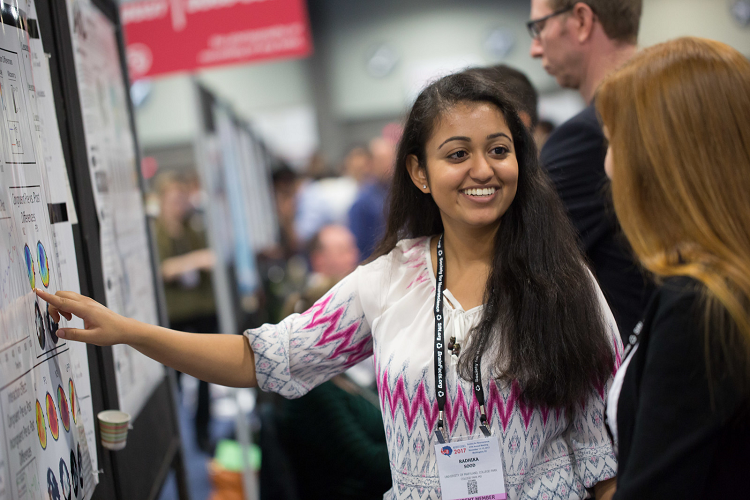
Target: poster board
154 447
257 184
45 404
124 242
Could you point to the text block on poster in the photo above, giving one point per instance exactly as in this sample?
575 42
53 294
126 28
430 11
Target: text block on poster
167 36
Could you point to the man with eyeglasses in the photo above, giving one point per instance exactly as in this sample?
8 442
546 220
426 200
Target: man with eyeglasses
579 43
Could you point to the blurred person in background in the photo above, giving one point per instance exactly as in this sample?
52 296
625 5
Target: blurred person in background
324 199
344 410
519 87
285 187
333 254
542 132
186 265
358 164
678 121
282 268
367 213
579 43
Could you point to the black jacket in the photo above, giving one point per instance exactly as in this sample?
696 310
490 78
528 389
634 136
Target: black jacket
674 441
574 159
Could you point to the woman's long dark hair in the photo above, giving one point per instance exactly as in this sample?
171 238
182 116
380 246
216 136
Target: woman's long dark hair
542 321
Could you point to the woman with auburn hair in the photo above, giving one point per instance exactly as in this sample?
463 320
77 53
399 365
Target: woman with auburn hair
678 120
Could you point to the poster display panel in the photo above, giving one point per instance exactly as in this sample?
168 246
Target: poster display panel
45 404
259 187
63 211
110 145
246 269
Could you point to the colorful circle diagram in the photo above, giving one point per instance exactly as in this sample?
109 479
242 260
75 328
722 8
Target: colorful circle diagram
54 425
74 472
64 479
39 326
41 427
29 266
52 326
43 264
80 468
62 404
52 490
72 393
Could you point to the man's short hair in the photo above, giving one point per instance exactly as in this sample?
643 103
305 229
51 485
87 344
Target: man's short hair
517 84
620 18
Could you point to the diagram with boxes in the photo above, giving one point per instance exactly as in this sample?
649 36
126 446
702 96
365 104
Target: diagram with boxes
46 421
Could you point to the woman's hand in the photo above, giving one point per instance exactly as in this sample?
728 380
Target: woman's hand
102 326
219 359
604 490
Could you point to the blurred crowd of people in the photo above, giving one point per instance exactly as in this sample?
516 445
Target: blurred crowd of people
561 225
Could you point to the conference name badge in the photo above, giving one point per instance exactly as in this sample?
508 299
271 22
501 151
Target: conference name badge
471 470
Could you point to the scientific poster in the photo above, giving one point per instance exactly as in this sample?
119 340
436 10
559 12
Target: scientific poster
60 199
44 451
126 261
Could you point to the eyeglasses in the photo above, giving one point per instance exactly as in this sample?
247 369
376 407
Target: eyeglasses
535 26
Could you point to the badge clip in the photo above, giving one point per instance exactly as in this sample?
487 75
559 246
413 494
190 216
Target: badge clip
439 430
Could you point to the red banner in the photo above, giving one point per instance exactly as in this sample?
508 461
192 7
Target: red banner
166 36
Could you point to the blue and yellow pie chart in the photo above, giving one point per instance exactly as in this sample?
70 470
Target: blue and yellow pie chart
29 266
43 264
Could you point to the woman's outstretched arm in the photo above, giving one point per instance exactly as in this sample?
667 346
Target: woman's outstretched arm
219 359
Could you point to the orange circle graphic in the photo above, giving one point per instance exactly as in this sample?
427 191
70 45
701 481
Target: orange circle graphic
41 427
54 426
73 407
62 404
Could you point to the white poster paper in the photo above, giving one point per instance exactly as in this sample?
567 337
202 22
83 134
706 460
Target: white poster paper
60 195
44 452
126 261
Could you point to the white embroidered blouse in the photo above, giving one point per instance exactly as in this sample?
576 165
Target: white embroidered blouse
385 309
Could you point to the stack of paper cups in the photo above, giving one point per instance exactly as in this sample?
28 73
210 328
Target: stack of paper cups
113 428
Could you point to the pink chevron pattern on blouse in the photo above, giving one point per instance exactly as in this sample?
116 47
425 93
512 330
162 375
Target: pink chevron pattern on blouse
391 399
415 258
421 278
355 352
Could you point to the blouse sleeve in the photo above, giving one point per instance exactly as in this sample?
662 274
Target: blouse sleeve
594 456
305 350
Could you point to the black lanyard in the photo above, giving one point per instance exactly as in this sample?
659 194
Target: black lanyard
440 388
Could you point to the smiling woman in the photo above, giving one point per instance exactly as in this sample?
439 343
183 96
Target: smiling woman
478 253
472 177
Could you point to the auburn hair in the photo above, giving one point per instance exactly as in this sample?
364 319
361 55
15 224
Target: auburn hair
678 120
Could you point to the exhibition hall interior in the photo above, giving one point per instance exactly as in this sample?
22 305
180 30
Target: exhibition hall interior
225 228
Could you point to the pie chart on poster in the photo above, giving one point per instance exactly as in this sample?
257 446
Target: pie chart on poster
41 427
64 479
62 404
39 326
29 266
54 426
43 264
52 326
80 468
74 472
72 393
52 490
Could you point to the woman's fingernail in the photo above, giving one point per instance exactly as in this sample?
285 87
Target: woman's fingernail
61 333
